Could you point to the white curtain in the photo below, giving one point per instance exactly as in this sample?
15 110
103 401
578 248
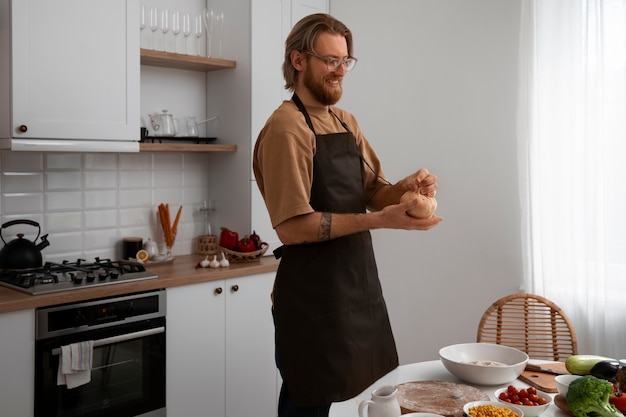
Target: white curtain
572 146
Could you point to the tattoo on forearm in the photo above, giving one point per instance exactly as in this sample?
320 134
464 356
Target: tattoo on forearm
325 222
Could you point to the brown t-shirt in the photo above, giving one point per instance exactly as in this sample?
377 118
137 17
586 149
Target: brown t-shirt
283 158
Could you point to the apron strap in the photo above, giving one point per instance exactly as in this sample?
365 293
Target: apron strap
302 109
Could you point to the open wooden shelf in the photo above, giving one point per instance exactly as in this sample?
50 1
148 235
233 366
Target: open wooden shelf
186 147
183 61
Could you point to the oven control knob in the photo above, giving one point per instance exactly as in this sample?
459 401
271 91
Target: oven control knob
91 277
102 276
76 279
114 275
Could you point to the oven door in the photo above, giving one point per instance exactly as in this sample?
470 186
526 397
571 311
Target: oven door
127 375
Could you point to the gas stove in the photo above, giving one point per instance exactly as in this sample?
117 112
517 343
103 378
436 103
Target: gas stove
55 277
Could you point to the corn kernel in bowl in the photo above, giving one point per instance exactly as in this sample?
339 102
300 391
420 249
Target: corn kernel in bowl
491 409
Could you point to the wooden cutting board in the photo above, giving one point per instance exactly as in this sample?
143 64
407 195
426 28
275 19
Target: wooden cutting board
542 381
437 397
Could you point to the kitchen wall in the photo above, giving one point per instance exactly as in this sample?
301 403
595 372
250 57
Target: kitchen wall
88 202
436 87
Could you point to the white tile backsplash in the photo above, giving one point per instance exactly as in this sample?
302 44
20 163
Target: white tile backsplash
70 180
87 202
22 182
22 203
64 161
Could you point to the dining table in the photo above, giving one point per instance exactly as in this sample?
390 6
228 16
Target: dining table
433 370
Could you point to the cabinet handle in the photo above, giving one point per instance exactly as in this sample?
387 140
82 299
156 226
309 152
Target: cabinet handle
23 128
234 288
218 290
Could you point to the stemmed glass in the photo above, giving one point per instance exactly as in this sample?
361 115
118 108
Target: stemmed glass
209 21
142 18
219 30
154 24
198 32
175 28
165 24
186 28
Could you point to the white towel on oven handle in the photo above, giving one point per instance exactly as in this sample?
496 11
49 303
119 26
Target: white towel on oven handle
75 363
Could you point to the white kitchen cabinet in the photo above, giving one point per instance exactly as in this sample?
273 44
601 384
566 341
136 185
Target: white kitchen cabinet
220 348
17 369
70 71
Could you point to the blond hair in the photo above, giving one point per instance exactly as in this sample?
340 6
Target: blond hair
303 37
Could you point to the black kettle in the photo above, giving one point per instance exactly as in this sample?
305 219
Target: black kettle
21 253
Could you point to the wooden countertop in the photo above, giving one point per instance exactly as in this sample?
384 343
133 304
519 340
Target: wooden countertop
180 272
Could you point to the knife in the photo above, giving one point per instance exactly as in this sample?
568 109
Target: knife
538 368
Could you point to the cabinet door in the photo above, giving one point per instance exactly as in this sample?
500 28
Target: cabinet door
17 366
250 367
195 350
75 69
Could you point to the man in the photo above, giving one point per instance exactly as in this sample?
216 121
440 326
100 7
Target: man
319 176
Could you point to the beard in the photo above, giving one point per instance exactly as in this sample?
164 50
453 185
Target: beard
318 88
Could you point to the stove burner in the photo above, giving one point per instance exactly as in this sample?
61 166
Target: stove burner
54 277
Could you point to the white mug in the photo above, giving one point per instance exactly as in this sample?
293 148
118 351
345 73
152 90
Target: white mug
383 403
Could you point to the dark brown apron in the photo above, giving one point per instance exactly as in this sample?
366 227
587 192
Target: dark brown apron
333 336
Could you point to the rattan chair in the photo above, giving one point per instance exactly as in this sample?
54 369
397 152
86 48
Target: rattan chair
530 323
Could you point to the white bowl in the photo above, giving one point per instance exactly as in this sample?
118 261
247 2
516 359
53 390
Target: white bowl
529 410
466 407
563 381
421 415
469 362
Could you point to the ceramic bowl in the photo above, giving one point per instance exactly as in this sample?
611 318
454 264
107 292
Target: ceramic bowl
529 410
421 415
484 363
468 406
563 381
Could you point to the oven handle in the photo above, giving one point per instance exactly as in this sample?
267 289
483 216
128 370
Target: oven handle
121 338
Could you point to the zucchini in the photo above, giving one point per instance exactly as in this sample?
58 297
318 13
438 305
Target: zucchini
582 364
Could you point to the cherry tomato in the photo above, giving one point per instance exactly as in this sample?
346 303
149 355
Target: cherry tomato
522 396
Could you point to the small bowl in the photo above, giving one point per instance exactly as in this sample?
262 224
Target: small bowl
484 363
421 415
529 410
563 381
468 406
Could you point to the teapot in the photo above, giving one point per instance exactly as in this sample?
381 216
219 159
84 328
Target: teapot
21 253
163 124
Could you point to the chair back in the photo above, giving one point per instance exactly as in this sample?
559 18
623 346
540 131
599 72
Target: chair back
530 323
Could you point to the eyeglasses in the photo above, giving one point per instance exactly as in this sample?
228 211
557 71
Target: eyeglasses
333 63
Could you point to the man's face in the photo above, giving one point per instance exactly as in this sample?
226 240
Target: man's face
326 85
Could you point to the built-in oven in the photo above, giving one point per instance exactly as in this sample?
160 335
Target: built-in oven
127 373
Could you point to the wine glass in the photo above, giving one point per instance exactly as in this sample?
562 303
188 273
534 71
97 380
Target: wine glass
165 24
186 28
219 30
154 24
209 23
142 18
198 32
175 28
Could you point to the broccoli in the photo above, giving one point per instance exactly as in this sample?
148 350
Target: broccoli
589 396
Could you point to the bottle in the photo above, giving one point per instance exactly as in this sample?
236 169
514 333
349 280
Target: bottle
207 243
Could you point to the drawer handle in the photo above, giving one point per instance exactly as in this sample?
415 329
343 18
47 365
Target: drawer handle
234 288
23 128
218 290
